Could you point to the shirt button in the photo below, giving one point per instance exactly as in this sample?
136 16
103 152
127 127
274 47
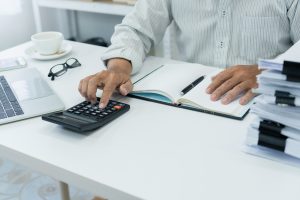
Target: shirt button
223 13
221 44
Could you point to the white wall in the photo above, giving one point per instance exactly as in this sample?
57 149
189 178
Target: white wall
16 22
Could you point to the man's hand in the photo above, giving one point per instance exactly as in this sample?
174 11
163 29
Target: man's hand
233 82
117 76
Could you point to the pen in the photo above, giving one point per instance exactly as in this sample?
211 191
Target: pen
192 85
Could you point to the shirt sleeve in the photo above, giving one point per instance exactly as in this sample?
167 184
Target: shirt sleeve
139 30
294 17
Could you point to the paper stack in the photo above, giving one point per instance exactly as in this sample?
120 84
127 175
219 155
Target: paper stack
275 132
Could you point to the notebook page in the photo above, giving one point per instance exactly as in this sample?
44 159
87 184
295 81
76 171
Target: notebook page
171 79
199 98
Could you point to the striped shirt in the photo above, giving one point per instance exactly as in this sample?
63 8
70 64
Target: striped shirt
218 33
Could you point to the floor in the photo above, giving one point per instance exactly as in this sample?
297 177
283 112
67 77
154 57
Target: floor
19 183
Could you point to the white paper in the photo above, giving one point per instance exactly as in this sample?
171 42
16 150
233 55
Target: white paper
292 146
292 54
287 131
271 89
286 115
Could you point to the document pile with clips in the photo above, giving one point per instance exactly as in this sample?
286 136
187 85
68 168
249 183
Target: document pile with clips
275 131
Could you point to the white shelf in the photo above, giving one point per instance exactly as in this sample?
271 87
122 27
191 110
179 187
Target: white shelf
96 7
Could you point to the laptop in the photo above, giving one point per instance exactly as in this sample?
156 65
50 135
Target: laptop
25 94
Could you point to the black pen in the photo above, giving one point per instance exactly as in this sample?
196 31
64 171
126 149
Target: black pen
192 85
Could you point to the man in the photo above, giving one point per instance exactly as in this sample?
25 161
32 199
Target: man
229 34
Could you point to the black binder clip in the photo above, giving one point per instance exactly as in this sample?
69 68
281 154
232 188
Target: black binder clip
284 98
291 70
270 135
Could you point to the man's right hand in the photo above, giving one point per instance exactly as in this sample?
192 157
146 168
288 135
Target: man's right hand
117 76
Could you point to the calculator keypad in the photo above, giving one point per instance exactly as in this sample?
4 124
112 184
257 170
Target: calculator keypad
85 116
93 111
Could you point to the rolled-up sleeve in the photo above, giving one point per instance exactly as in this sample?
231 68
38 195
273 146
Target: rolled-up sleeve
143 27
294 17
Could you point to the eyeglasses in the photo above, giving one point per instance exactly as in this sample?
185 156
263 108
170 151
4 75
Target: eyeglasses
60 69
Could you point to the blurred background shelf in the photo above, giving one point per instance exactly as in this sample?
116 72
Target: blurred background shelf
104 7
83 20
68 20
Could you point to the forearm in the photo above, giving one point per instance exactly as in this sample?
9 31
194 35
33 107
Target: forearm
143 27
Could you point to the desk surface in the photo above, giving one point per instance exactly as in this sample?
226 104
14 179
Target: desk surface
152 152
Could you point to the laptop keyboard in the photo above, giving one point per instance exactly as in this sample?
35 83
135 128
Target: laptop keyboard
9 105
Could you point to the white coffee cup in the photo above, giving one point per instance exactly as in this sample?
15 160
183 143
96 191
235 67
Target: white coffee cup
47 43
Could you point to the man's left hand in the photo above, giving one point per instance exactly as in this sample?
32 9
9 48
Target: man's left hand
229 84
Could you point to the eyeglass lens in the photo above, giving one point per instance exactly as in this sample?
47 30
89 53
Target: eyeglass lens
72 62
59 70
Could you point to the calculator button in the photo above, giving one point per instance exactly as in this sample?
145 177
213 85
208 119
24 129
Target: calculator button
118 107
84 103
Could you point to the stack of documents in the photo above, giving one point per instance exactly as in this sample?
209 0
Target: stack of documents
275 130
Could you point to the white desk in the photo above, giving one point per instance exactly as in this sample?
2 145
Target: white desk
153 152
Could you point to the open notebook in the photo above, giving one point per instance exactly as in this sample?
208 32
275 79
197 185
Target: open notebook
165 84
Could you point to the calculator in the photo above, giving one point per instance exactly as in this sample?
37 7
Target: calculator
86 116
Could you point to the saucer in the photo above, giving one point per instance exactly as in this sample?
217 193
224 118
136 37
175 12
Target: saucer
65 49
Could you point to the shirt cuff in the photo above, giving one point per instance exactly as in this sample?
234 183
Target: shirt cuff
128 54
